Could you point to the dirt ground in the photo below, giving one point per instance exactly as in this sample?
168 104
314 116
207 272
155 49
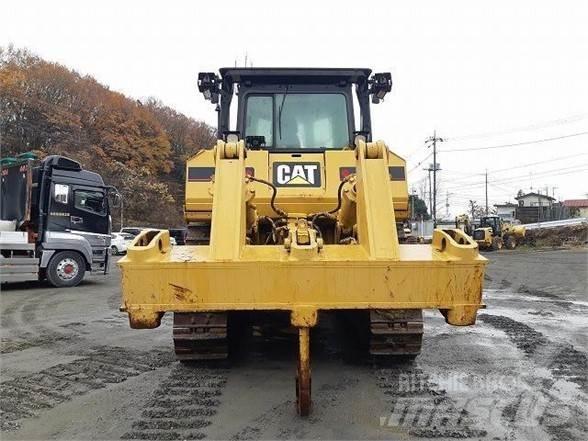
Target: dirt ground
72 369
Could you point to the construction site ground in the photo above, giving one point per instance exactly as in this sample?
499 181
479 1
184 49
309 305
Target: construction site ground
73 369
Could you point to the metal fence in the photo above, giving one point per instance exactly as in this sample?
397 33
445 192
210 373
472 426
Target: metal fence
554 212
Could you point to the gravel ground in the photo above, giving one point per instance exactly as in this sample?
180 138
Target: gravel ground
72 369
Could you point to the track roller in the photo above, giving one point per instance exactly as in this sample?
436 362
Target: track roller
200 336
396 332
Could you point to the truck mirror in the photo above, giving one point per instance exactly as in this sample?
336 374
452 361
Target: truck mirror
116 200
114 197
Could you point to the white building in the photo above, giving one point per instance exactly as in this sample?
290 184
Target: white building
506 211
535 200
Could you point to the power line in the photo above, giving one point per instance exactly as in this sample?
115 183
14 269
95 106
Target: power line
465 174
423 160
550 173
539 162
414 151
498 170
556 122
466 179
545 173
503 189
539 174
501 146
521 177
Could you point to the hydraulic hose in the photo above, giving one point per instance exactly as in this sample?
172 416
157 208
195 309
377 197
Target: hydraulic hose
339 195
277 210
328 214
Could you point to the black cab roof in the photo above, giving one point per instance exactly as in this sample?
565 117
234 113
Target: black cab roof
292 75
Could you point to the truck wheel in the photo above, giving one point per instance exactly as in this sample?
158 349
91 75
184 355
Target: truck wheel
497 243
511 243
66 269
114 250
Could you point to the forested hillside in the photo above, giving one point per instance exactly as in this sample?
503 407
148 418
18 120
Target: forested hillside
139 147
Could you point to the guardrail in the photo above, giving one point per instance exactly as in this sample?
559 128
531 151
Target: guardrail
556 223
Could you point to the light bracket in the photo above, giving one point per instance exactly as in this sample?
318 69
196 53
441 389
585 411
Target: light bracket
379 85
209 86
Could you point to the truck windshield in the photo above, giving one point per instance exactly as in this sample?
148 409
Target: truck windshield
298 120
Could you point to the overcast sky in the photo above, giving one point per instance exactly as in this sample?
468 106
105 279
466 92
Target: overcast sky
509 71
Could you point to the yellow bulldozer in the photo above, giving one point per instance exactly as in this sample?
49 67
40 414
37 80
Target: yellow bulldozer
295 213
493 233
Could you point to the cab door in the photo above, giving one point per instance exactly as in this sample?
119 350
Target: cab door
60 203
89 210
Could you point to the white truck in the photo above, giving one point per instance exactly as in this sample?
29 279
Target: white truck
55 221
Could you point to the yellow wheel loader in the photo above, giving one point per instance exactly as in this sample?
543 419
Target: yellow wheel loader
495 234
295 211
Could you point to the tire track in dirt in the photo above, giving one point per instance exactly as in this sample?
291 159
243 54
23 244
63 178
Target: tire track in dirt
28 331
181 407
423 408
29 318
27 396
326 396
20 320
562 359
562 419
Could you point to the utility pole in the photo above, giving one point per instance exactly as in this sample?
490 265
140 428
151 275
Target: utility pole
434 139
435 179
486 192
447 204
430 192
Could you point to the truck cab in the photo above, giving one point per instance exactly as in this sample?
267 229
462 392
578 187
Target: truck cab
55 221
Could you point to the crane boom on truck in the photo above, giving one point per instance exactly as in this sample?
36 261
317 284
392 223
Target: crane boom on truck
296 210
55 221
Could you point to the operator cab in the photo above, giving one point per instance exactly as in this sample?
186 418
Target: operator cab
493 222
289 110
300 127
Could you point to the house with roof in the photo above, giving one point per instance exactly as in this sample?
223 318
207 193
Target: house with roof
535 200
535 207
577 207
